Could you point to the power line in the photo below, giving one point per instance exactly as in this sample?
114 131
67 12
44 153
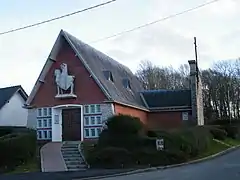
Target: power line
154 22
57 18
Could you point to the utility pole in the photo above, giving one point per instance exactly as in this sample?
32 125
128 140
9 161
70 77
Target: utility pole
196 55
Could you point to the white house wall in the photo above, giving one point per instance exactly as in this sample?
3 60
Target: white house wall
32 119
13 113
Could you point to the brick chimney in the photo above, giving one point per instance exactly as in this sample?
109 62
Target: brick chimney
196 94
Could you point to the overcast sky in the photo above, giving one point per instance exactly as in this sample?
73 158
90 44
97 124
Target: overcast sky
23 53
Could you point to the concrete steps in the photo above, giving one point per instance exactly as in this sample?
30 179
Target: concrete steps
72 156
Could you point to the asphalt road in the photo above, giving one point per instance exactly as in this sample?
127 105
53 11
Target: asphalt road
226 167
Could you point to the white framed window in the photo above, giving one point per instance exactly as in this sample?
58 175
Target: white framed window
86 109
86 132
92 109
99 120
86 121
44 134
39 112
45 123
92 120
49 134
39 134
92 132
98 108
44 112
44 117
99 130
39 123
49 111
49 122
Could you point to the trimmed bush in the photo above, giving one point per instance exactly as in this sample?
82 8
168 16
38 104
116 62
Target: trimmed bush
232 131
194 140
217 133
110 157
16 149
151 134
124 124
128 141
4 130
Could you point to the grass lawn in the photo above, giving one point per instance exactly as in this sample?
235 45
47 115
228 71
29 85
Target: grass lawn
31 166
217 147
232 142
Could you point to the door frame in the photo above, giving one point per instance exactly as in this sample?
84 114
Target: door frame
57 128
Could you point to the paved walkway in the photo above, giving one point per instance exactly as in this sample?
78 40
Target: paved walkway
51 157
221 168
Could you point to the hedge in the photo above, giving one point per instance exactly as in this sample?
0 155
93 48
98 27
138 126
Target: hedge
122 144
4 130
217 132
16 148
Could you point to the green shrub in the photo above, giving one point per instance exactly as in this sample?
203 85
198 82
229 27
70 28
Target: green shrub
194 140
146 156
5 130
129 142
151 133
124 124
110 157
232 131
217 133
16 149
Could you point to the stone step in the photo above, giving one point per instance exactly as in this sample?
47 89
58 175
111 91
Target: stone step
73 159
69 163
71 155
75 151
82 166
69 147
71 142
77 169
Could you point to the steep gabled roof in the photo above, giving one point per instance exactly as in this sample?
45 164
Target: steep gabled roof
96 63
166 98
7 92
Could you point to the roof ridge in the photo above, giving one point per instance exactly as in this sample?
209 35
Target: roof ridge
96 50
14 86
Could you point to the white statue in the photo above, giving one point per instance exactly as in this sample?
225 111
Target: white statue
63 80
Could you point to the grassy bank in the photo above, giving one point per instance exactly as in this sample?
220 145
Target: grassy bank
32 165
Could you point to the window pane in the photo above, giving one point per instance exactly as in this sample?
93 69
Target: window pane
50 134
39 113
86 120
99 120
44 111
39 134
45 134
99 130
49 111
86 109
92 108
45 123
93 132
49 122
98 108
86 132
39 123
92 120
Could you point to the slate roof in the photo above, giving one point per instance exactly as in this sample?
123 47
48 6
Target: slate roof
167 98
7 92
99 62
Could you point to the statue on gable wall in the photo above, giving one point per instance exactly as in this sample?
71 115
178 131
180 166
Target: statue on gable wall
63 80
